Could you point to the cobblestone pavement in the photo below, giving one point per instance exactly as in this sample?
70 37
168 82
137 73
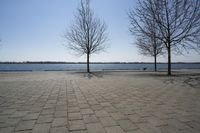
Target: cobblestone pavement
60 102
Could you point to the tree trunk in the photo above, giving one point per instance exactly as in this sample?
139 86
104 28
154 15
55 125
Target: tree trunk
155 63
169 59
88 63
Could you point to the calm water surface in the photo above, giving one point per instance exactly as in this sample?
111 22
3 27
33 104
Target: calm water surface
98 67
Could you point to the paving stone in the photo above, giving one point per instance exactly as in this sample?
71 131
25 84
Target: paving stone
127 125
81 131
31 116
61 114
49 111
8 111
147 128
156 122
190 130
161 115
95 128
184 118
59 122
19 114
3 125
168 129
110 109
127 111
96 107
6 130
93 102
114 102
143 113
177 124
137 119
83 106
59 130
51 101
12 121
25 125
118 116
25 131
86 111
45 119
114 129
73 109
3 118
105 104
195 125
42 128
135 131
49 106
72 104
108 121
76 125
101 113
75 116
90 119
36 109
61 108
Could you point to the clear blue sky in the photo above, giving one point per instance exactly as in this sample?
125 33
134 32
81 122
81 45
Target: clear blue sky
32 30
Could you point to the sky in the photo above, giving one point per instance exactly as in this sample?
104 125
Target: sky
33 30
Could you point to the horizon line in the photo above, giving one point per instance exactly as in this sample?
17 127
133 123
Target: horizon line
71 62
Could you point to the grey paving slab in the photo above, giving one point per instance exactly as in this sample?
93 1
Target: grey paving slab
87 111
101 113
59 130
31 116
25 125
59 122
12 121
108 121
147 128
127 125
95 128
41 128
81 131
6 130
61 114
45 119
90 119
75 116
76 125
114 129
124 102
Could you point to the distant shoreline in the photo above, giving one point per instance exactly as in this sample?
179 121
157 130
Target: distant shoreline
107 70
49 62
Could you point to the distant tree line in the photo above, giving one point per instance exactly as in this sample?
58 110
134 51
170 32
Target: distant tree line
63 62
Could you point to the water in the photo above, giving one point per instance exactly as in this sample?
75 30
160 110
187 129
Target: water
96 67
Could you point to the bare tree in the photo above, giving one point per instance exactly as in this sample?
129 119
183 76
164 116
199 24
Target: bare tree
147 42
178 22
150 47
88 33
